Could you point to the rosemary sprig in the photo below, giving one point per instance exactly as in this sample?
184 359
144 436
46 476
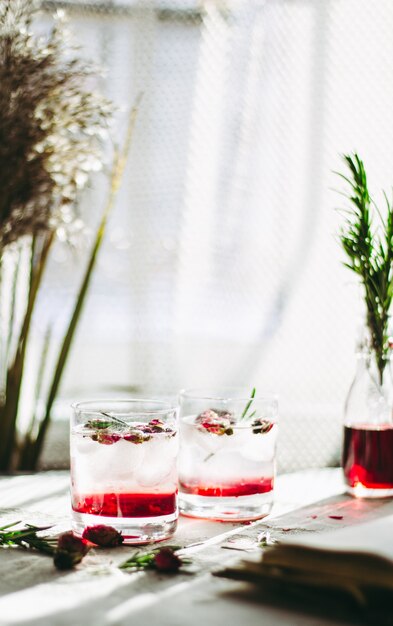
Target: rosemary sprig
139 561
248 405
162 559
370 253
115 419
27 537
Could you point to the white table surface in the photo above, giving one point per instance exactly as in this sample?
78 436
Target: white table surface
33 592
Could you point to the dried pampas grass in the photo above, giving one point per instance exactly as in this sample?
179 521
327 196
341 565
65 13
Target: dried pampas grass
51 124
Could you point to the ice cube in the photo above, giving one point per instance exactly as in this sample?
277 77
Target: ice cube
159 462
126 459
260 446
98 467
223 465
208 442
171 443
83 445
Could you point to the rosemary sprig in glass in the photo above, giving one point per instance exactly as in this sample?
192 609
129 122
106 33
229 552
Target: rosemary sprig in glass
248 405
370 253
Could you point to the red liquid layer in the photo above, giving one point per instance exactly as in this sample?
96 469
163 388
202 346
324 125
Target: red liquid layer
232 490
368 456
126 504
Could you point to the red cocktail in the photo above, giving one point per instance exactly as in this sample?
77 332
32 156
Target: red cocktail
123 468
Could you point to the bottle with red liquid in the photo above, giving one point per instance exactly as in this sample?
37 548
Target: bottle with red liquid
368 427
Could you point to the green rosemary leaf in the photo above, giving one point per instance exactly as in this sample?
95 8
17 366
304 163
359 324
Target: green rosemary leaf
9 410
369 249
148 560
115 419
137 561
98 424
10 525
246 408
27 538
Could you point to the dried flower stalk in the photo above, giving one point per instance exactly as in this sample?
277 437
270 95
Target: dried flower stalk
51 130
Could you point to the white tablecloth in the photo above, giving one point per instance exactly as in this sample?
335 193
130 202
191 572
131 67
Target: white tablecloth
34 593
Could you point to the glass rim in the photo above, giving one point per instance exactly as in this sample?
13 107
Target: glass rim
203 393
83 406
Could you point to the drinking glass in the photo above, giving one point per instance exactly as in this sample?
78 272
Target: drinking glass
227 453
124 467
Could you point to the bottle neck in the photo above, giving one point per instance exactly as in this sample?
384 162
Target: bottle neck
377 360
378 368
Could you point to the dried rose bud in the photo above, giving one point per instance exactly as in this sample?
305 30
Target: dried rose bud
262 426
207 416
136 436
216 422
66 560
104 536
70 551
68 542
217 428
214 415
167 561
156 425
106 438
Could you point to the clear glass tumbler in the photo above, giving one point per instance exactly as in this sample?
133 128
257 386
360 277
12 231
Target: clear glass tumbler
227 453
124 467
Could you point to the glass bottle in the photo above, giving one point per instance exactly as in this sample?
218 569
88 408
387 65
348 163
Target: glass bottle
368 427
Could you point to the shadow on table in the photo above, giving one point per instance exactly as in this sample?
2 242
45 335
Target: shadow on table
132 594
334 607
21 570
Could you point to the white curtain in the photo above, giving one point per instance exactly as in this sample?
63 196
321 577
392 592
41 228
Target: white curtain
221 263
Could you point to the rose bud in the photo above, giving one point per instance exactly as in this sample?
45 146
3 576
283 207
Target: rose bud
66 560
68 542
105 438
262 426
156 422
104 536
167 561
70 551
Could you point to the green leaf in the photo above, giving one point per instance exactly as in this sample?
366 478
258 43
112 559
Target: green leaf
246 408
9 409
370 252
